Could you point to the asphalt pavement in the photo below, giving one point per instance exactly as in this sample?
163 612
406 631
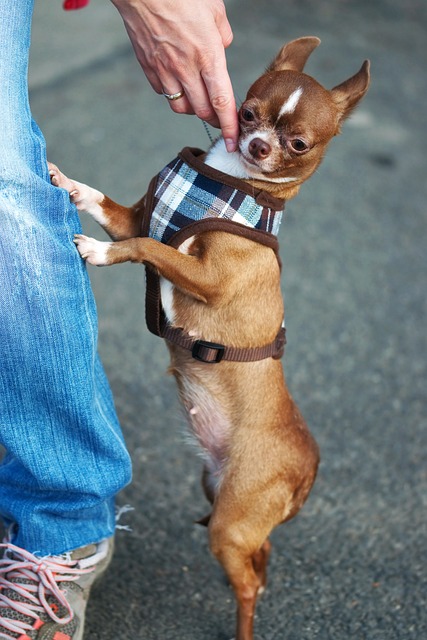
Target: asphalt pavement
353 563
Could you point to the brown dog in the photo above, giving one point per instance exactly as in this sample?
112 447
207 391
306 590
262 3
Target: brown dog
218 300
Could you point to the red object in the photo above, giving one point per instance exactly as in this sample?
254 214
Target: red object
75 4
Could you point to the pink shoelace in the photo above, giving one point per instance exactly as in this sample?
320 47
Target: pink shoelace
44 575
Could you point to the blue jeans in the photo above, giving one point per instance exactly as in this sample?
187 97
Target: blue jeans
65 455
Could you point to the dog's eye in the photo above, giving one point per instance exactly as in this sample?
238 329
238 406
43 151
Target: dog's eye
247 115
298 145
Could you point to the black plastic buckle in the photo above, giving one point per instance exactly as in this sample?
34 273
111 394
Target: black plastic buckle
200 345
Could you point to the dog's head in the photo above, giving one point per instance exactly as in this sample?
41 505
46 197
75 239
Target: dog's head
288 118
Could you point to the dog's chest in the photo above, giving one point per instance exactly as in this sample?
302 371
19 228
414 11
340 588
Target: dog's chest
167 288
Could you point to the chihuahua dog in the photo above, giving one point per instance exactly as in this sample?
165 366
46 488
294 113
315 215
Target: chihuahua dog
206 232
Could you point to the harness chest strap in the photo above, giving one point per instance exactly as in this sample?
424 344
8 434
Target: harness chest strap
211 352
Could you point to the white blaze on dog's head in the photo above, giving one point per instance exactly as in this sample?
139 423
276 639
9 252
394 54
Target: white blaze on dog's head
291 103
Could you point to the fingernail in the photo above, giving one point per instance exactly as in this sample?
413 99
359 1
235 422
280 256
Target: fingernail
230 144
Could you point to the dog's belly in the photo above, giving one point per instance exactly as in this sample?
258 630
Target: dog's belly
209 426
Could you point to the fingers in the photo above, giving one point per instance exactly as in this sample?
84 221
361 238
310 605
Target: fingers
208 93
212 103
221 98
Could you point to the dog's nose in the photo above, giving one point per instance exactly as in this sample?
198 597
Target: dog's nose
259 149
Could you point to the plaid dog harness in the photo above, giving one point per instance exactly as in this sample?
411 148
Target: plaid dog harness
189 197
184 194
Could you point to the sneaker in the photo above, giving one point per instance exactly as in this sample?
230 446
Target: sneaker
46 598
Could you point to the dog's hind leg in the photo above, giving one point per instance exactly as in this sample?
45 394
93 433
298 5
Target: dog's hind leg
260 562
246 571
238 536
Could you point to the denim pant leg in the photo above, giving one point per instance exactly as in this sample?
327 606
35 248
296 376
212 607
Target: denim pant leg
65 455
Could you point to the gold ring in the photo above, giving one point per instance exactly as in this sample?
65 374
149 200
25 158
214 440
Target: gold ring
174 96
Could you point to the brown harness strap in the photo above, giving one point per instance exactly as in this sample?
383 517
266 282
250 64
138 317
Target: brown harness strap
211 352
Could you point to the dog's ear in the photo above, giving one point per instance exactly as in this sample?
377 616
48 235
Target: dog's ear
204 521
294 55
349 93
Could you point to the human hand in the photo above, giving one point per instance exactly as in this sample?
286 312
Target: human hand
180 44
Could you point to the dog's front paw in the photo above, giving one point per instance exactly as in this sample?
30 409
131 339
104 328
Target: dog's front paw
58 179
93 251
